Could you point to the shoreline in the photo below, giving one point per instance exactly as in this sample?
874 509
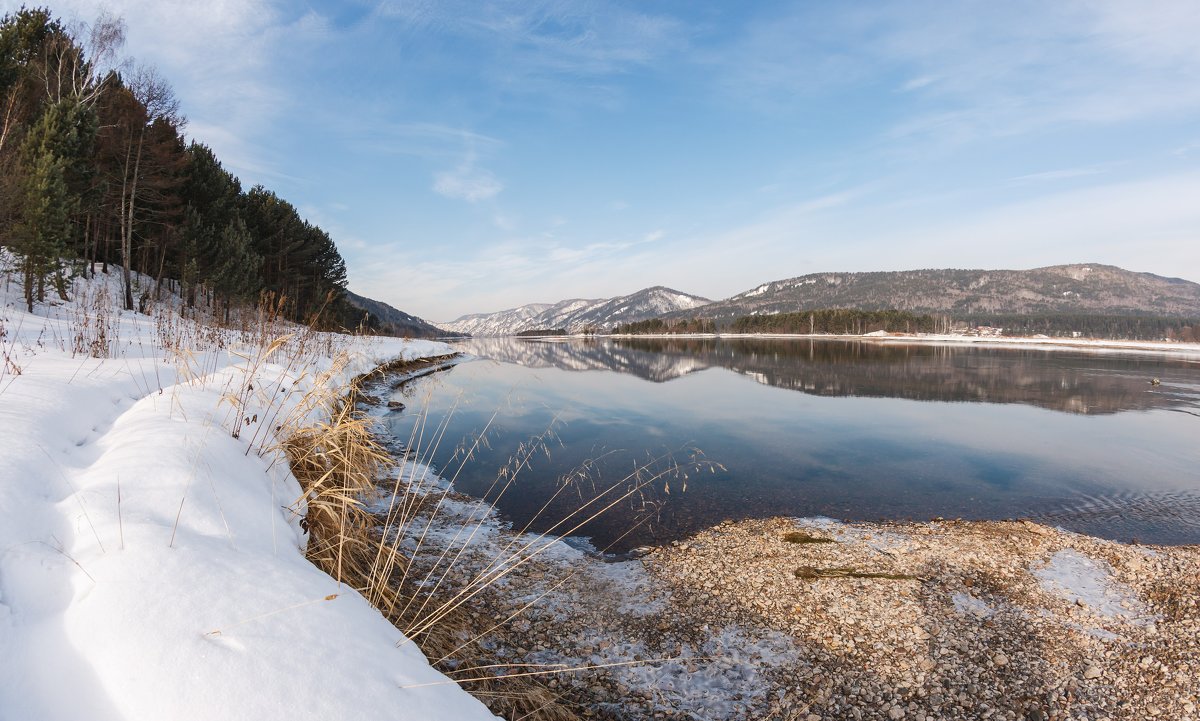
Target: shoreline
952 620
1052 343
964 620
991 619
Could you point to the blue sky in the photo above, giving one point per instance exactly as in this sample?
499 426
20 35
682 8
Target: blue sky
471 156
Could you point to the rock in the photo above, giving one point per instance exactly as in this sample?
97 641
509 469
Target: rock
1034 528
1091 672
1000 660
896 712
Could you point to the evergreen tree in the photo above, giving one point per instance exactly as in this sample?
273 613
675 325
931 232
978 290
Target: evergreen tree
53 166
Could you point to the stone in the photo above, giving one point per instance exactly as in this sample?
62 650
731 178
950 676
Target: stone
1091 672
896 712
1000 659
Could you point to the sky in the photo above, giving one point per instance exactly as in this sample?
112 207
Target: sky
474 156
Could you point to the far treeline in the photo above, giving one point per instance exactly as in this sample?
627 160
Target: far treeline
841 321
832 321
94 168
1119 327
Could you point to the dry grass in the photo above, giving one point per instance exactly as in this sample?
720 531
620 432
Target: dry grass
339 462
10 367
435 591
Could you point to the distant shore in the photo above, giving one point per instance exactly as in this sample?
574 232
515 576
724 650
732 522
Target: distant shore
1133 346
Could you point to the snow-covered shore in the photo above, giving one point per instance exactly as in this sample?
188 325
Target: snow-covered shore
152 564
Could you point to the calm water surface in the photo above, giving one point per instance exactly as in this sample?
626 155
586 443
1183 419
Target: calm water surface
848 429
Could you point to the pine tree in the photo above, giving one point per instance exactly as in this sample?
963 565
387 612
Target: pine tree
53 154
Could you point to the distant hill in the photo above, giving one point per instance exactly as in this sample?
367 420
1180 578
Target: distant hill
577 315
386 320
1059 289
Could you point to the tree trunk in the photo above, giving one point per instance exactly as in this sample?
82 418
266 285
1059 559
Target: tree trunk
28 268
89 248
128 199
162 263
60 284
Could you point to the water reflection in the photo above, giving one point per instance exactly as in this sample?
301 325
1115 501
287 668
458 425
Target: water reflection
1080 439
1062 380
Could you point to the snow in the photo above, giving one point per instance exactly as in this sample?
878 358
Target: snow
725 676
151 564
968 605
1080 579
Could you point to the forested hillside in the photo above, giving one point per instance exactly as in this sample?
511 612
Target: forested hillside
1055 290
95 169
383 319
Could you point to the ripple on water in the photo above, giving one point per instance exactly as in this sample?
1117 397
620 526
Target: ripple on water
1163 517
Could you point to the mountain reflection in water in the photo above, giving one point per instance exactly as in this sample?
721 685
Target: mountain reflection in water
1043 377
877 430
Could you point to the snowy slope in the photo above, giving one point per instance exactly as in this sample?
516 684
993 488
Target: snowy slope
575 315
150 566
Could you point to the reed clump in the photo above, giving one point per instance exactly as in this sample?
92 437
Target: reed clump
339 462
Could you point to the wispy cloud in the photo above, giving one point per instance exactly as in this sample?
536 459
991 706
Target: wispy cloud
557 50
467 182
1186 149
1053 175
536 268
975 69
1146 224
1143 225
417 139
917 83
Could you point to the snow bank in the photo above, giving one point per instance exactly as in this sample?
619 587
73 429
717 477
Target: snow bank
151 564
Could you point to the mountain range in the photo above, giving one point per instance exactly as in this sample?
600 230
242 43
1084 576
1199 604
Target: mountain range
577 314
1091 289
1084 289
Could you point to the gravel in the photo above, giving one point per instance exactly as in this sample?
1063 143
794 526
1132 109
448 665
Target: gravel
939 620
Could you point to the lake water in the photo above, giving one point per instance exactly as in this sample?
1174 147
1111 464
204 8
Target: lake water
856 430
